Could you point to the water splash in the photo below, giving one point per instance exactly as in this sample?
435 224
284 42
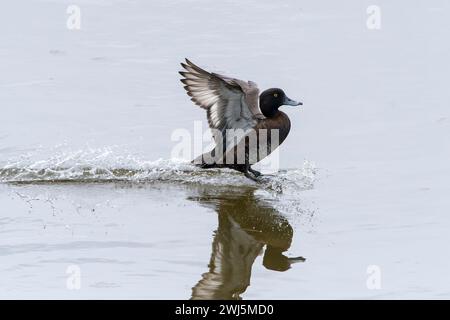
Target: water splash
106 165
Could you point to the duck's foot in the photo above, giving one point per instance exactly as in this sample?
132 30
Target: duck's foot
256 173
251 176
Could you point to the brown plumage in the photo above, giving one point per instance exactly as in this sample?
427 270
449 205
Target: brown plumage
246 126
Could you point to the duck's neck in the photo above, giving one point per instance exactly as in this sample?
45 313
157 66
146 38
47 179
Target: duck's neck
269 111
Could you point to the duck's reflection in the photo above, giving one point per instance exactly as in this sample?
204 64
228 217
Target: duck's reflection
246 225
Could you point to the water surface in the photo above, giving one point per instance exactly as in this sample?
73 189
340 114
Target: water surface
88 180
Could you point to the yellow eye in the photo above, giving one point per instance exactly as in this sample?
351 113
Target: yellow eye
275 95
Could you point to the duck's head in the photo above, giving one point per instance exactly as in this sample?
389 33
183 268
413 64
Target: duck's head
271 99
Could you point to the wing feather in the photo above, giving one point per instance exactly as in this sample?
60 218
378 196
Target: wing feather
230 103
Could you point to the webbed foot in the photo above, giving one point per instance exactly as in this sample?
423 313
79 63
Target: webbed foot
251 176
256 173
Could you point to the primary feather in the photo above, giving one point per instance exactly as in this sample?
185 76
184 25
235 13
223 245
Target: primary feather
230 103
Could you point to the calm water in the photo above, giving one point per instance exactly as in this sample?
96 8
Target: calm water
94 205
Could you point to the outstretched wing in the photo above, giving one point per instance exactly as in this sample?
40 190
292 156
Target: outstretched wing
229 103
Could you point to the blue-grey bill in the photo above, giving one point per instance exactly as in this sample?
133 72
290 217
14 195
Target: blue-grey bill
290 102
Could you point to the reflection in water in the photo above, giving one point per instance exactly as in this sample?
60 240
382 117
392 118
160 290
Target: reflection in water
246 225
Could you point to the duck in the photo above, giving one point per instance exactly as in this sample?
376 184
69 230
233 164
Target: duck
246 125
